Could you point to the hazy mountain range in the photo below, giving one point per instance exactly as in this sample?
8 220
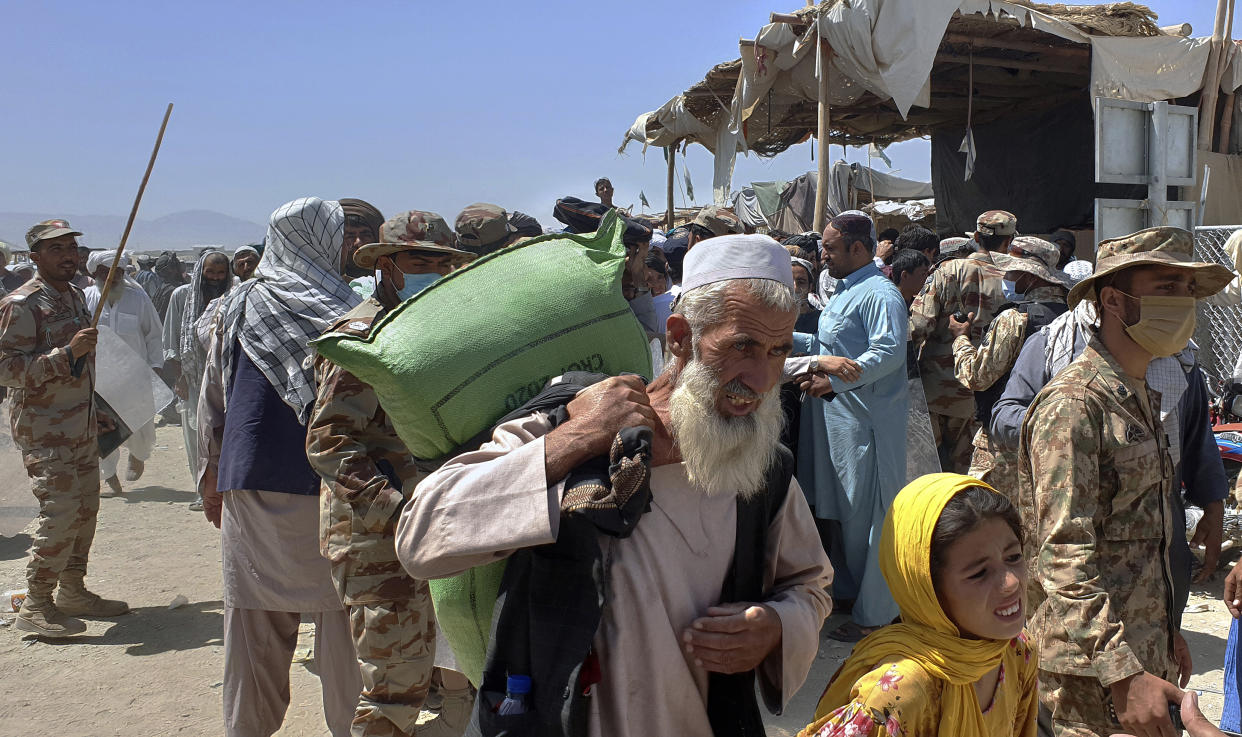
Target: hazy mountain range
179 230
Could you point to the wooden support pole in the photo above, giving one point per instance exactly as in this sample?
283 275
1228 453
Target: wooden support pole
671 155
1025 46
790 18
824 127
1036 66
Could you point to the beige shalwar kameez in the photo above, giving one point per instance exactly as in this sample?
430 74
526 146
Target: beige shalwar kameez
489 503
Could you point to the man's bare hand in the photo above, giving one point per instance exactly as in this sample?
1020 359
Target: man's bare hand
957 328
1181 655
104 422
83 342
213 501
1196 724
596 415
815 384
884 251
843 368
1209 533
733 638
1233 591
1142 705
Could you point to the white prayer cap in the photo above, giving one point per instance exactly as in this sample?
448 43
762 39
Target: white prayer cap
104 258
728 257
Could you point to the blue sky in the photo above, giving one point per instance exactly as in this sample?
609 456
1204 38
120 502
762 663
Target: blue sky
406 104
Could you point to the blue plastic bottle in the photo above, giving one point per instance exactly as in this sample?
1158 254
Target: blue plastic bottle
517 688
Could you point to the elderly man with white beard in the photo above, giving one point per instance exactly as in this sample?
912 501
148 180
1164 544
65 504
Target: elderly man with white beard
671 643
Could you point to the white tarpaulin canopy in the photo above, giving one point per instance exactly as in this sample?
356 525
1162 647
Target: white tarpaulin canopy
888 48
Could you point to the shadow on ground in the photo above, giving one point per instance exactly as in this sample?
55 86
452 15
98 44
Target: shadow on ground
12 548
1202 642
158 629
156 494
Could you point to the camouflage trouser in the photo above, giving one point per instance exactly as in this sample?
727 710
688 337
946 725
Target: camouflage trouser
1079 706
995 467
396 644
65 480
953 441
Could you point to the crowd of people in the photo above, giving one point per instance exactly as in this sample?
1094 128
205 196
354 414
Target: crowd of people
1027 576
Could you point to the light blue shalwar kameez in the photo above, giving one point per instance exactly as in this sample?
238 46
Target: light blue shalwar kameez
852 450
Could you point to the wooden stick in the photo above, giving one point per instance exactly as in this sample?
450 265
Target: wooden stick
1037 66
1025 46
824 120
129 224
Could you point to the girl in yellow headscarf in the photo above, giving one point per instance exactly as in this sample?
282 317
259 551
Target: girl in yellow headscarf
959 662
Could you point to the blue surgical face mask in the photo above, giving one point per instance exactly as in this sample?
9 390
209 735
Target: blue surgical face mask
1011 293
415 283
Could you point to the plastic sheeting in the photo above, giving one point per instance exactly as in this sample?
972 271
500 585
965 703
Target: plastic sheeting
1146 69
1224 195
1040 167
126 382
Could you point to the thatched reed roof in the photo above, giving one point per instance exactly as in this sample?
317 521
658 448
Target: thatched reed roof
1017 70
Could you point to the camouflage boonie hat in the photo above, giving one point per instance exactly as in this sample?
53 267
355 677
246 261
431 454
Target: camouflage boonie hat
48 229
956 246
1161 246
1037 256
482 226
996 222
413 230
718 220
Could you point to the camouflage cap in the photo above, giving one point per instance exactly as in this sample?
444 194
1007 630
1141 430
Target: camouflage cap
482 226
956 246
996 222
718 220
1160 246
1031 255
48 229
412 230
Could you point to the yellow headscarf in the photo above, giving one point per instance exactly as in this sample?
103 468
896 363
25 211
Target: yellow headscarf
925 634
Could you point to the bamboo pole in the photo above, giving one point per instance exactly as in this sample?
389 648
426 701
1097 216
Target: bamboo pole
129 224
824 126
671 155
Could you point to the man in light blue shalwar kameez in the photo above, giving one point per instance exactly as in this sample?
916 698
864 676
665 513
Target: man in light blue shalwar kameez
852 452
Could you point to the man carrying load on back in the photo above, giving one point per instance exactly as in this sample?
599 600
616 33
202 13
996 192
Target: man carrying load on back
669 651
368 474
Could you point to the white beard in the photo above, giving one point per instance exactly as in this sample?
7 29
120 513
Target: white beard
723 455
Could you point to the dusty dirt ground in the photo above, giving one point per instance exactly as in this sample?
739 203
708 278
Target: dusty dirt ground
157 671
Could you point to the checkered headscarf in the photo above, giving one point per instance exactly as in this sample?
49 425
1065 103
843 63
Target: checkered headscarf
296 295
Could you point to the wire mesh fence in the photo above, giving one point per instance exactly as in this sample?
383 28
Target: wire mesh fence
1219 331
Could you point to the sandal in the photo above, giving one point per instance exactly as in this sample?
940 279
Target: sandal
851 632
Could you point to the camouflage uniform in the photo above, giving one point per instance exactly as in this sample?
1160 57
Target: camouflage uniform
978 369
1095 475
53 423
367 475
971 284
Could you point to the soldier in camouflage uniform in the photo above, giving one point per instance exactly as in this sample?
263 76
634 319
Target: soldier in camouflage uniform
1095 477
47 357
712 221
483 228
971 284
367 476
984 370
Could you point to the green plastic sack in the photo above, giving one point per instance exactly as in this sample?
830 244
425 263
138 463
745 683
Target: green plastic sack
484 340
464 605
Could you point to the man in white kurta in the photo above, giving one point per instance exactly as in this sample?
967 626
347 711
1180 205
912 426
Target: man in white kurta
664 628
132 316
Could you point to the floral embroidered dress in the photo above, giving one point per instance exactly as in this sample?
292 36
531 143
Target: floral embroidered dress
899 699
